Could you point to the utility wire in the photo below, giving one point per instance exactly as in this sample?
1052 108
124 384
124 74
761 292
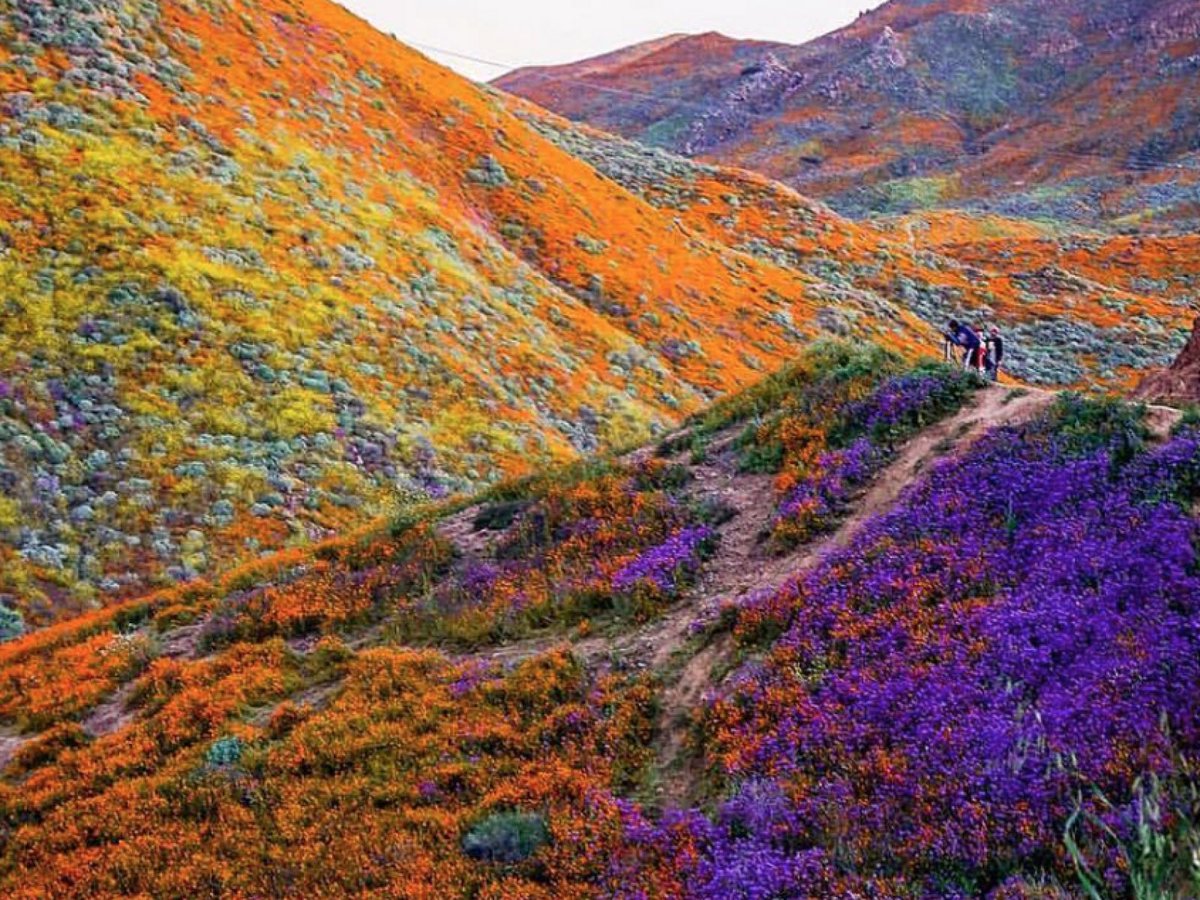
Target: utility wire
530 71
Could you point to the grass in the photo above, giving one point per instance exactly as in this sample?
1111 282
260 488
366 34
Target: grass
1158 843
826 361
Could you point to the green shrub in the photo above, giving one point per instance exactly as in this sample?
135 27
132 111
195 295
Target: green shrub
1083 425
506 837
1190 419
226 751
12 624
132 617
498 516
826 361
1160 846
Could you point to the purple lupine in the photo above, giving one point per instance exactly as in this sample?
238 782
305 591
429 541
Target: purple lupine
1024 622
667 565
822 495
904 400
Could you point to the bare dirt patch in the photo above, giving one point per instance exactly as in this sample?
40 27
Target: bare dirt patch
10 744
111 715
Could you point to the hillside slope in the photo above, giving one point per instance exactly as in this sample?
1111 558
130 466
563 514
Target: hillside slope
827 640
1079 111
272 273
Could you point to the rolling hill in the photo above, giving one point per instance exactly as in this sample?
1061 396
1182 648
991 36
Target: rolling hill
1073 111
864 629
271 274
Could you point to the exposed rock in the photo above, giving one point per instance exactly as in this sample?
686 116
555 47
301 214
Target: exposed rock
1179 383
762 88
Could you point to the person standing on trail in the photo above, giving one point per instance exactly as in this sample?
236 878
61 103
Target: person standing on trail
981 360
949 341
996 357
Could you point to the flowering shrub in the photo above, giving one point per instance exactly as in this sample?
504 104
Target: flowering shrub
358 587
830 449
933 680
621 541
665 568
816 503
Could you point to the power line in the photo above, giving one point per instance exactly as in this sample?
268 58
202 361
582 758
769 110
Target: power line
546 76
532 71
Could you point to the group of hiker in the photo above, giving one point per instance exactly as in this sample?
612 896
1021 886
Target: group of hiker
982 349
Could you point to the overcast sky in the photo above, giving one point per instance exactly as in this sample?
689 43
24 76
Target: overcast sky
529 32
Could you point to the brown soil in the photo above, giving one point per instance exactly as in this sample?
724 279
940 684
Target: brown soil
10 744
1179 383
111 715
182 642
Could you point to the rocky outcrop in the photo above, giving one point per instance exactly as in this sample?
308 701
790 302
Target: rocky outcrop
762 89
1179 383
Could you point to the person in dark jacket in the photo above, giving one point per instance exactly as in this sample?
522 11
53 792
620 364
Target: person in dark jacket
965 338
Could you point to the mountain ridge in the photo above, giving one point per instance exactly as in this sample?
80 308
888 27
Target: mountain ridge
985 106
274 274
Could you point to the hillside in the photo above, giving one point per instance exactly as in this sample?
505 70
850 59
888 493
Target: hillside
865 629
272 275
1072 110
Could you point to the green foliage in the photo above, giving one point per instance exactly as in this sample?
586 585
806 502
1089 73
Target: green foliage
489 172
561 477
1190 419
714 511
506 837
12 623
827 362
498 516
132 617
1083 424
665 478
1158 842
226 751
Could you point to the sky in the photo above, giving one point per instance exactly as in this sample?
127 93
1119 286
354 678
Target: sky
539 32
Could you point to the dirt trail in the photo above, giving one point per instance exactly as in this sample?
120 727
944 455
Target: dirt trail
10 744
743 563
111 715
993 407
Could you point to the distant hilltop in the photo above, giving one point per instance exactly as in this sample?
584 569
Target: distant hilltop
1069 110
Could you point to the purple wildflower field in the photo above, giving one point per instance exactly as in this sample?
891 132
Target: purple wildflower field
1019 637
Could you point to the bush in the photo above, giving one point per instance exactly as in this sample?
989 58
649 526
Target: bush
226 751
498 516
12 624
1157 838
506 837
1085 424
